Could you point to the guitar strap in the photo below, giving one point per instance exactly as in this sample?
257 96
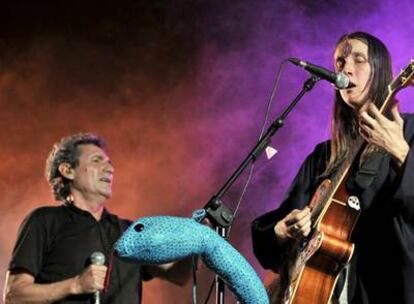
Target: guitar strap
364 176
361 180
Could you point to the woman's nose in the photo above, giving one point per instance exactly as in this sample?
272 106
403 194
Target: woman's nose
348 67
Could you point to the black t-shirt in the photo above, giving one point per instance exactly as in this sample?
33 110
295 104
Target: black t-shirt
55 243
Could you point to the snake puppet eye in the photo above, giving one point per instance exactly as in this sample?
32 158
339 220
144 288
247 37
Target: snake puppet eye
139 227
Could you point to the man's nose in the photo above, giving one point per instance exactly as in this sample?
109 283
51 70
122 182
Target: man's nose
109 168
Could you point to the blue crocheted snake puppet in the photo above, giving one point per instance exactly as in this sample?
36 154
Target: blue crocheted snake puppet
163 239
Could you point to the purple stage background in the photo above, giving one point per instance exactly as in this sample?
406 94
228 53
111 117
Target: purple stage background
179 90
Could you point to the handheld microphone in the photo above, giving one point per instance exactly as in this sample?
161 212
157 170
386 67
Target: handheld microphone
339 80
97 258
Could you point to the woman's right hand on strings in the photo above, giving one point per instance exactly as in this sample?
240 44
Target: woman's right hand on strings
295 225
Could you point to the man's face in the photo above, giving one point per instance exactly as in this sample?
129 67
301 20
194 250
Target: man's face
351 58
94 173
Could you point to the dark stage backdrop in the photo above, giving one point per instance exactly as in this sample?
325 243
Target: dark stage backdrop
178 89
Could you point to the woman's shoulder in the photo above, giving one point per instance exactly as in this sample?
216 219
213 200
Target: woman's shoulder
321 151
408 117
408 124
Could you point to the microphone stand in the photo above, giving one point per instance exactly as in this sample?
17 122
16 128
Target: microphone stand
220 216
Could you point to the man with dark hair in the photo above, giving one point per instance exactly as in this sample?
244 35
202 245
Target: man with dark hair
66 151
51 259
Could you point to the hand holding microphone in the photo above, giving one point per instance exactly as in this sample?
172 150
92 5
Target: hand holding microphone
92 279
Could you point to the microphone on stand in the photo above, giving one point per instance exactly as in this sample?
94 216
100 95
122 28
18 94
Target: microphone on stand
97 258
339 80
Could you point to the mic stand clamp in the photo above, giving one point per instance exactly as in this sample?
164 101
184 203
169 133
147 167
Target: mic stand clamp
218 214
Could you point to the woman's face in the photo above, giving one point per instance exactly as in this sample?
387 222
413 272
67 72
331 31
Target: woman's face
351 58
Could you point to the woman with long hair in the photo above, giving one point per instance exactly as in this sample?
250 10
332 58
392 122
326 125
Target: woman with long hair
382 176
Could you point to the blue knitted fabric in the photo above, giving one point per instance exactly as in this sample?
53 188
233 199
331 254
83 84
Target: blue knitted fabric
163 239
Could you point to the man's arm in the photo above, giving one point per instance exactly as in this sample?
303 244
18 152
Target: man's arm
21 287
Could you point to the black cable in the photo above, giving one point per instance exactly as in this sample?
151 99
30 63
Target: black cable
266 118
209 291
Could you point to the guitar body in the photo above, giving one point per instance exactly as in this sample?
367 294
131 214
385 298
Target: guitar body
314 264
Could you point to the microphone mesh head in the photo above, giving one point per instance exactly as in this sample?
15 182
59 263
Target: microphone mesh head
342 81
98 258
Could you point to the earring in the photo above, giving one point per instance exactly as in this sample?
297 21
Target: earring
70 199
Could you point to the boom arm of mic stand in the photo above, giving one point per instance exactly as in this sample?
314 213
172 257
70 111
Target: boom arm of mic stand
216 211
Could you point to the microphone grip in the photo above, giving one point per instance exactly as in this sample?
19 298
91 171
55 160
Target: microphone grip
97 258
97 297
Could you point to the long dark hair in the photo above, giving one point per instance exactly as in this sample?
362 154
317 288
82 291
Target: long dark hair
344 120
